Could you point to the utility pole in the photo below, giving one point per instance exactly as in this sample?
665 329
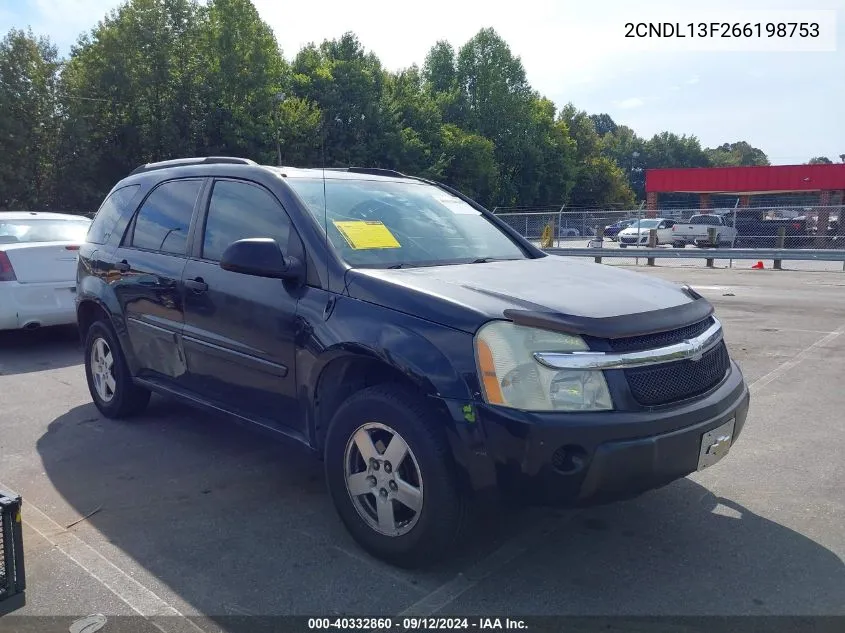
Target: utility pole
280 99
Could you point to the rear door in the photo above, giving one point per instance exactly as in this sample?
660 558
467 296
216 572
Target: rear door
147 268
240 331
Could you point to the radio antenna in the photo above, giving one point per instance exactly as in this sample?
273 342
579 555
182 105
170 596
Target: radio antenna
323 133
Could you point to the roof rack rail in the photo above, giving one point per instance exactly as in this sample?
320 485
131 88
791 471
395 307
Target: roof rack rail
372 171
184 162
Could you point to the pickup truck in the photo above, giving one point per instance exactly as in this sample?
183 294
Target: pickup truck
696 231
758 231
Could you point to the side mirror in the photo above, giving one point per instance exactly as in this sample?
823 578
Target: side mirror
261 257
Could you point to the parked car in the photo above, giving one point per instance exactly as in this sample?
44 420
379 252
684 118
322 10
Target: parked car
696 231
756 230
638 233
612 230
38 268
427 352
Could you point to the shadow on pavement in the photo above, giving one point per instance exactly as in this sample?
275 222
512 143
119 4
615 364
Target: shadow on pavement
233 523
236 525
23 352
677 551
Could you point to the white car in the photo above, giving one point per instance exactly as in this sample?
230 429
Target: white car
38 254
638 232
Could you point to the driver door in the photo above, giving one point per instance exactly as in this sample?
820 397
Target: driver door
239 334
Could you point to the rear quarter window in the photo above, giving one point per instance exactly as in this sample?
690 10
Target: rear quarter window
117 205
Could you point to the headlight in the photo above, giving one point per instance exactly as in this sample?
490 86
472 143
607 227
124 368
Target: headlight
512 378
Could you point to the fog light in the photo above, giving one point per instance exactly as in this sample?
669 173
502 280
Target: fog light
569 459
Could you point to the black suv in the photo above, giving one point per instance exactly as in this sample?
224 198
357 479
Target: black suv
417 344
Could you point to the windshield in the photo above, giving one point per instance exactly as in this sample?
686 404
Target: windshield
39 230
384 224
704 219
646 224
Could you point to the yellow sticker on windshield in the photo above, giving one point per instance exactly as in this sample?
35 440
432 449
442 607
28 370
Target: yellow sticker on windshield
363 235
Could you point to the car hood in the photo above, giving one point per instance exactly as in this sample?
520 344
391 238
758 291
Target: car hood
577 295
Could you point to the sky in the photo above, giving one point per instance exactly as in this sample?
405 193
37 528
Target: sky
788 103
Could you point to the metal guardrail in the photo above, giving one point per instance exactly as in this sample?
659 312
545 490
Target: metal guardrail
777 254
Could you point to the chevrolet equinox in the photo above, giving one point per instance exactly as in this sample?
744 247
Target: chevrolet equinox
423 349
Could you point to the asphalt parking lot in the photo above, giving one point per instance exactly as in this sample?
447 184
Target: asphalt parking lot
195 515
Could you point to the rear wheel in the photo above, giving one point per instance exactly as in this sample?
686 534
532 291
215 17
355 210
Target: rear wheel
390 473
621 245
109 380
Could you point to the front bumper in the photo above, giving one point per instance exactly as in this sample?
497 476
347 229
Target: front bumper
588 458
633 239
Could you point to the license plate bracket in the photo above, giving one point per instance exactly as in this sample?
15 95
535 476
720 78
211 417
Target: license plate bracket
715 444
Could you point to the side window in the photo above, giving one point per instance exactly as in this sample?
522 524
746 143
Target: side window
114 207
163 220
239 211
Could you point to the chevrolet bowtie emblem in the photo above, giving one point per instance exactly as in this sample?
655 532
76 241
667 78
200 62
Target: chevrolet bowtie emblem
695 353
720 446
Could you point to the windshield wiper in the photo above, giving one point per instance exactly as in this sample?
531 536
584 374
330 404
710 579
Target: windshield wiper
485 260
400 266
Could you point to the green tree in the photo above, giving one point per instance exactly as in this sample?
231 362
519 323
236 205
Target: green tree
582 130
600 184
243 74
29 121
440 80
599 181
603 123
413 123
671 150
820 160
347 83
498 106
627 150
467 162
130 93
740 154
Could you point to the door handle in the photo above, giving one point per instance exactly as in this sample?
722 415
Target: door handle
122 267
197 284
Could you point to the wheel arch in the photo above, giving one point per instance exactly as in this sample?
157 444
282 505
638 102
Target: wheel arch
96 301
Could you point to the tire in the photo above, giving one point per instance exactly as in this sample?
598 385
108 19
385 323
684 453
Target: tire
679 244
123 398
621 245
420 538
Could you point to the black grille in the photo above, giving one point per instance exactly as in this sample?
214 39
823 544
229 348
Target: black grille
670 382
661 339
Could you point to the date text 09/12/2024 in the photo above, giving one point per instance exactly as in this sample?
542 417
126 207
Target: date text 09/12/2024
722 29
415 624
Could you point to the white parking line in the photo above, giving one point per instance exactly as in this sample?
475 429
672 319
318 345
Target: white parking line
138 597
784 367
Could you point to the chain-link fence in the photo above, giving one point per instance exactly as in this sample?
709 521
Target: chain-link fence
742 227
737 227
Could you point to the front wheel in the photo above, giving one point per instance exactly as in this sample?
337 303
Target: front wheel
390 474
